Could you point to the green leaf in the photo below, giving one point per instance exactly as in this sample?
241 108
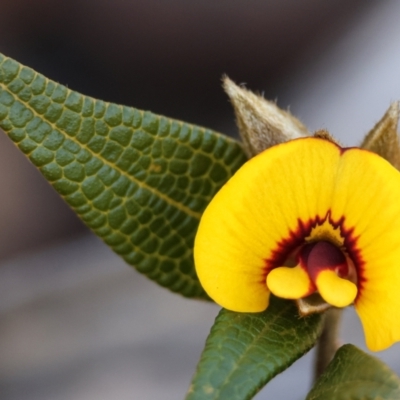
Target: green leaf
245 351
140 181
355 375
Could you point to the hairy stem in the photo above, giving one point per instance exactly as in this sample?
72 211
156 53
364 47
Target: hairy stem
328 341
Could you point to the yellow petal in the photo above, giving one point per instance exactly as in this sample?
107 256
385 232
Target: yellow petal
334 290
380 318
367 193
241 231
290 283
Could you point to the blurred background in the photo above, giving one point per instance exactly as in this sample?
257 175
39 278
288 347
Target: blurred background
75 322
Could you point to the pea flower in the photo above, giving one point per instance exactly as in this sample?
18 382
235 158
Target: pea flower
302 218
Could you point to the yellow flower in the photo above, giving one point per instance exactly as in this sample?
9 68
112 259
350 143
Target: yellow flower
302 217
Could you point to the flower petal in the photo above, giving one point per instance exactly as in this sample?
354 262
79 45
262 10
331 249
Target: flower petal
367 193
290 283
247 223
335 290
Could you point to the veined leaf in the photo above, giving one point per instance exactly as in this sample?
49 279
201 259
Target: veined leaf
138 180
355 375
245 351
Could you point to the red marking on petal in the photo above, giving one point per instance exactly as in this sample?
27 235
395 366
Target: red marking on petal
287 249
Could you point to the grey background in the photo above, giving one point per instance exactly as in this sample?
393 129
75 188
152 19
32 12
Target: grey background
75 322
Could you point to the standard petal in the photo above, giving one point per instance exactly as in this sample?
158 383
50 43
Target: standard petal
258 216
367 195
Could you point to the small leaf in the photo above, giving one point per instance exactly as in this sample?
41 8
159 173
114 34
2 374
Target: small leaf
355 375
245 351
261 123
383 138
139 180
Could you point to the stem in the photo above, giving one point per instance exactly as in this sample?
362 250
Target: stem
328 342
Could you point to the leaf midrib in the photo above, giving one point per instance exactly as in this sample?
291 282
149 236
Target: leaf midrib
248 349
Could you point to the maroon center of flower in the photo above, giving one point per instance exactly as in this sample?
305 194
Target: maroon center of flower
319 256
